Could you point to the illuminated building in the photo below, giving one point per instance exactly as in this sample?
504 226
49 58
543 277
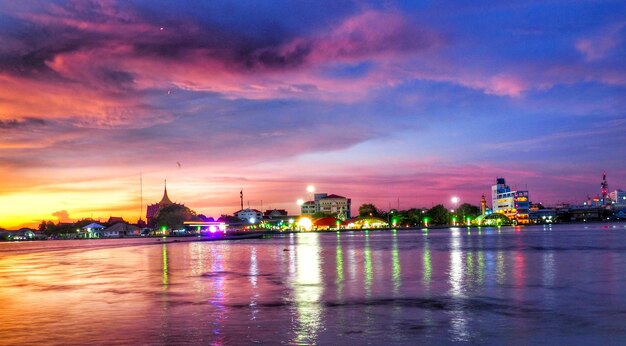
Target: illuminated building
335 204
250 215
515 205
618 197
328 204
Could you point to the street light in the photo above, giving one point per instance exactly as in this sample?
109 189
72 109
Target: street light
455 200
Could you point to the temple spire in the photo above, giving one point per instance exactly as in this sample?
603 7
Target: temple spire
165 200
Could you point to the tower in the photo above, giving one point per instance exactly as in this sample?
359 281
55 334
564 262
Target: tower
604 189
483 205
241 198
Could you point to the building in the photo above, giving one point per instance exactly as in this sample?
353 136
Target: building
250 215
275 213
328 204
121 230
335 204
308 208
618 197
153 209
93 227
515 205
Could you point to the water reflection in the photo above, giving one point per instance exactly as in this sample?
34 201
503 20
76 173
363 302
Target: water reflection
165 270
367 266
339 266
308 288
427 263
458 319
395 260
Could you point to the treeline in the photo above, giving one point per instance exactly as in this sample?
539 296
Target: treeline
437 215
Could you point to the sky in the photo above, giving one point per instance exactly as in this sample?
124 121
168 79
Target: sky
388 102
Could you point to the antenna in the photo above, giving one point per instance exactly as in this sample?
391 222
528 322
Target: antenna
140 195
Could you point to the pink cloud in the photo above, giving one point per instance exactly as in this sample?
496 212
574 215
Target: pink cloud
598 46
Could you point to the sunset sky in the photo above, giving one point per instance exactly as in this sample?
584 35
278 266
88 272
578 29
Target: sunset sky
411 100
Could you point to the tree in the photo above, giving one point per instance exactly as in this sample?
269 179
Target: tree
321 214
369 210
414 216
438 215
173 216
230 219
468 210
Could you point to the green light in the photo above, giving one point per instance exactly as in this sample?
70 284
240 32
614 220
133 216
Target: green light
395 260
428 269
339 261
368 267
165 273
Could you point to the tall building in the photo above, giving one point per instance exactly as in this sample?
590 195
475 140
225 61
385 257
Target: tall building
618 197
513 204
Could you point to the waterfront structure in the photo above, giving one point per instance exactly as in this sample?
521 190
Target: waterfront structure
515 205
114 219
618 197
250 215
153 209
328 204
366 222
308 208
121 230
335 204
93 227
275 213
326 223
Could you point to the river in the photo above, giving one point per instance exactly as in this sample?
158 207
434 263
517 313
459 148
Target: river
560 284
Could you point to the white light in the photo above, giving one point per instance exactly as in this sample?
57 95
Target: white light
455 200
310 188
305 223
252 220
300 202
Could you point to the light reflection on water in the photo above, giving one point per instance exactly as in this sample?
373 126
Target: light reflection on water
526 285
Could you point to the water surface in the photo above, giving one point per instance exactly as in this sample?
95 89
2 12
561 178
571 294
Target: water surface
558 284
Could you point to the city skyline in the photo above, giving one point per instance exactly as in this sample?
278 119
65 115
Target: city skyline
403 100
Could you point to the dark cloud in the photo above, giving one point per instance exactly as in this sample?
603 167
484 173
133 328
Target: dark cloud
23 123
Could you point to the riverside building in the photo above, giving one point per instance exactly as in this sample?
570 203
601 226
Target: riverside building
329 204
515 205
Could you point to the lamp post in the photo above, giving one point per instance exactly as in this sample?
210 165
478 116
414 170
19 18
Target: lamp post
310 189
455 201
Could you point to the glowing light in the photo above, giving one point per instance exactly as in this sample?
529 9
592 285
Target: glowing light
455 200
305 223
310 189
212 229
300 201
251 220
